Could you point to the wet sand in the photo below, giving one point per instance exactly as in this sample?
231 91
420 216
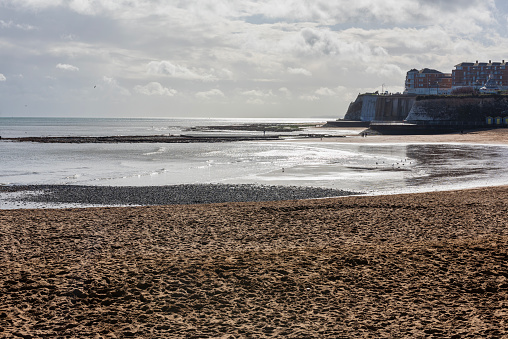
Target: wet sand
419 265
492 136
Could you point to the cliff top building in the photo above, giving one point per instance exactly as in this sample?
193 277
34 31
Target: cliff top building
480 74
484 76
428 81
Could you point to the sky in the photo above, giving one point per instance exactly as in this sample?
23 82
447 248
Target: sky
230 58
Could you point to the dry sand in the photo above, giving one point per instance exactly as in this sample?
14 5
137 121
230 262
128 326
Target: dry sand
420 265
431 265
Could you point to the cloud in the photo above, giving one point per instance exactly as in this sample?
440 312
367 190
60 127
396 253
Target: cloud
322 12
241 47
386 70
2 77
286 92
67 67
213 93
307 97
258 93
325 42
155 88
112 85
301 71
255 101
11 24
365 12
167 68
325 91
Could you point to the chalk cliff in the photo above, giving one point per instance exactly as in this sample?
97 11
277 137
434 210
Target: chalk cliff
472 109
354 111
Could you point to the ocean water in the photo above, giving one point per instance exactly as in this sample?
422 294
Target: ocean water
372 169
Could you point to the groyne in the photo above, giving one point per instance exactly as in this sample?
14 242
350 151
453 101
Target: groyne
142 139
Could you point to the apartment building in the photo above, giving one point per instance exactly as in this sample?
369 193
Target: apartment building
428 81
481 75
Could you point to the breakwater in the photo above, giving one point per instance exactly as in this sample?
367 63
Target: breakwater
143 139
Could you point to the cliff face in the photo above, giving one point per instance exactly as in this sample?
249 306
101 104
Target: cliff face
371 106
354 111
463 109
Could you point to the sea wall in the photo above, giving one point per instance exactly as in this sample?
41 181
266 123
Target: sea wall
363 108
375 107
473 110
394 107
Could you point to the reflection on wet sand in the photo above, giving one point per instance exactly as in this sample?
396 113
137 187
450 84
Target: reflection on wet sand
442 164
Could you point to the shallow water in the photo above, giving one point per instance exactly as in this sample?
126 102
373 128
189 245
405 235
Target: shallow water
372 169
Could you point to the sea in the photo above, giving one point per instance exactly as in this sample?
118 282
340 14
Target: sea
291 161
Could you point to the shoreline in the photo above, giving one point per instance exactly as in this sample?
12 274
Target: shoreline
407 265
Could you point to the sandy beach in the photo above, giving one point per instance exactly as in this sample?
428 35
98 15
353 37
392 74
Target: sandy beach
431 265
495 136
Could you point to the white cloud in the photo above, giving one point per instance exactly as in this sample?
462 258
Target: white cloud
2 77
301 71
285 91
155 88
67 67
255 101
387 70
112 85
167 68
258 93
213 93
307 97
11 24
325 91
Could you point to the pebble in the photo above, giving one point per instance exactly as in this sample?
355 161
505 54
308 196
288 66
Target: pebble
167 195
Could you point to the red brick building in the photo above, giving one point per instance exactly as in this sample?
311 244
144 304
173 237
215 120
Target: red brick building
476 75
428 81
